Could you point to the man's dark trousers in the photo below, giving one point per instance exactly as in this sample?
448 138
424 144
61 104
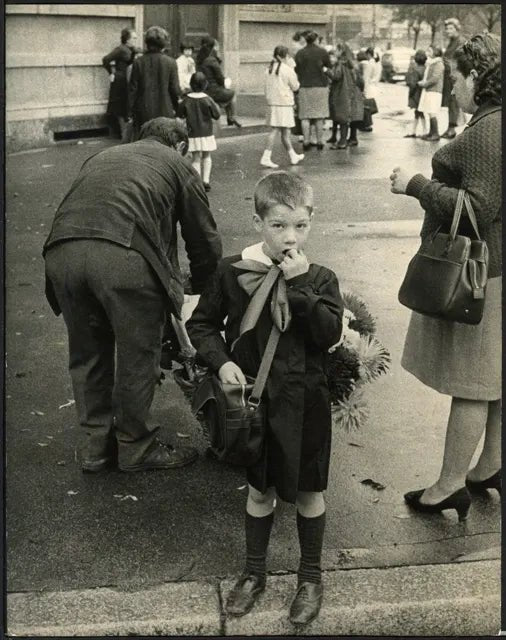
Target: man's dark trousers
111 300
453 112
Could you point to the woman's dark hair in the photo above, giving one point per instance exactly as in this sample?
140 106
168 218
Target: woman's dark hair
311 37
185 45
198 81
420 57
361 55
168 130
280 53
125 35
483 54
437 51
297 36
370 51
156 39
207 44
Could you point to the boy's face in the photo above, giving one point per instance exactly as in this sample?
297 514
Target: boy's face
282 229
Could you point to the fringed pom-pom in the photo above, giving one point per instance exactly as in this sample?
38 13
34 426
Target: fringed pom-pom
350 413
363 322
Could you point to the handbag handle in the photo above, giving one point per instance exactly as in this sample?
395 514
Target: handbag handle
463 197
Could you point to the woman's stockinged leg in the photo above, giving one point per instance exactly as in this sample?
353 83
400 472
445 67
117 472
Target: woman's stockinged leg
207 163
271 139
305 124
196 161
286 139
319 130
490 459
465 427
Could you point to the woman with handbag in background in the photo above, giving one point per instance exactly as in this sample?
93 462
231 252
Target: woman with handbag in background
464 360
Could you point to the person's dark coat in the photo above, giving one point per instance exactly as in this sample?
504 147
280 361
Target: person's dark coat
309 63
297 450
122 57
449 65
414 74
211 68
154 87
346 100
134 195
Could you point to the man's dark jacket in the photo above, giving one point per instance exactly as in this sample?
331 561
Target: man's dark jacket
134 195
309 63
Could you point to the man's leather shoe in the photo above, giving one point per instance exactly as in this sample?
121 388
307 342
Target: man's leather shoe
244 594
163 456
307 602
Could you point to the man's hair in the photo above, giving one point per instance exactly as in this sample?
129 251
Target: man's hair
281 187
311 37
125 35
453 21
420 57
483 54
168 130
156 38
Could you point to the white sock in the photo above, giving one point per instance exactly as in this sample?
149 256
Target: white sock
207 163
196 163
267 154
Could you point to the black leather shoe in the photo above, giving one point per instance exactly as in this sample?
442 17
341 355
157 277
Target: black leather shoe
306 147
307 602
207 186
233 122
352 142
244 594
164 456
320 146
460 501
494 482
449 134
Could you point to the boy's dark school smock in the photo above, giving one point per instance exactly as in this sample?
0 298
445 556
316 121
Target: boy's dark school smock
134 195
297 449
199 114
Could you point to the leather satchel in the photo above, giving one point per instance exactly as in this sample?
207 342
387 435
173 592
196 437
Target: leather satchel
447 277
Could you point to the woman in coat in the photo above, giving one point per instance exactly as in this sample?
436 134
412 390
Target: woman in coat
209 63
154 88
346 103
461 360
117 64
432 91
313 99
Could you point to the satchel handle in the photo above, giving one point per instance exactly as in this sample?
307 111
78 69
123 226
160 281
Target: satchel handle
462 198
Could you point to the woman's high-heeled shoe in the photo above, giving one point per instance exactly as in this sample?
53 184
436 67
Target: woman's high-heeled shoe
460 501
233 122
494 482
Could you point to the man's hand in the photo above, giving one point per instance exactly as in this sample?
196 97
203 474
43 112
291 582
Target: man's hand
294 264
230 373
399 179
112 77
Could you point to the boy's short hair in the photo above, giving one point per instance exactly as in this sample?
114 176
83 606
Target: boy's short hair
281 187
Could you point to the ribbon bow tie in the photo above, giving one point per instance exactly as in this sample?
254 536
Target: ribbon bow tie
258 280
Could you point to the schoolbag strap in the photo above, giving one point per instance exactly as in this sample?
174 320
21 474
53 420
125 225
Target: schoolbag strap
265 366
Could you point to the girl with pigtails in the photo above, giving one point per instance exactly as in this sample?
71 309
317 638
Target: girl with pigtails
280 83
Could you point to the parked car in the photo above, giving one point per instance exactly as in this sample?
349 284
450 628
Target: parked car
400 58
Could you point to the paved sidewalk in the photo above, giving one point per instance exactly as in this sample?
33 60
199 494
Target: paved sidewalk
442 600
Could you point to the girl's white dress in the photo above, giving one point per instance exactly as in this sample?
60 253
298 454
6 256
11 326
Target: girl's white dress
279 87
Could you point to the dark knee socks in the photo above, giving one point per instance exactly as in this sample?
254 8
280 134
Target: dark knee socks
311 542
258 531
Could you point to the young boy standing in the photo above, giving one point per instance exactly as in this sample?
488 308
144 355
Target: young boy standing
307 307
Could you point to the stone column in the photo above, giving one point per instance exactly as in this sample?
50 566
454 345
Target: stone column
228 36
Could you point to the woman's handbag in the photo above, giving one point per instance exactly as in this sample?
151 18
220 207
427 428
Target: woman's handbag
447 277
370 105
233 415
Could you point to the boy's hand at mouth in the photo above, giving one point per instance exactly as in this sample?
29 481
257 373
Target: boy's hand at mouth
230 373
294 264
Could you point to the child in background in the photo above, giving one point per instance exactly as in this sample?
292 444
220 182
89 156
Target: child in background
199 109
185 66
415 73
432 91
307 308
280 83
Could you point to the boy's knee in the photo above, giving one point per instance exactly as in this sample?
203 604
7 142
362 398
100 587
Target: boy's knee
310 503
263 499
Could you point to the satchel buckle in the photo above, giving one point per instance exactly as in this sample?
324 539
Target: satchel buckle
253 403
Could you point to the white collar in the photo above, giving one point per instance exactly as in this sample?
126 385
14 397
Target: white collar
198 94
256 252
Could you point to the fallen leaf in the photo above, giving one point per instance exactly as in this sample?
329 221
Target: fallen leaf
72 493
67 404
243 486
355 444
50 437
376 500
18 333
129 497
43 444
61 463
16 194
402 516
118 495
182 435
35 412
46 166
372 483
20 374
25 429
